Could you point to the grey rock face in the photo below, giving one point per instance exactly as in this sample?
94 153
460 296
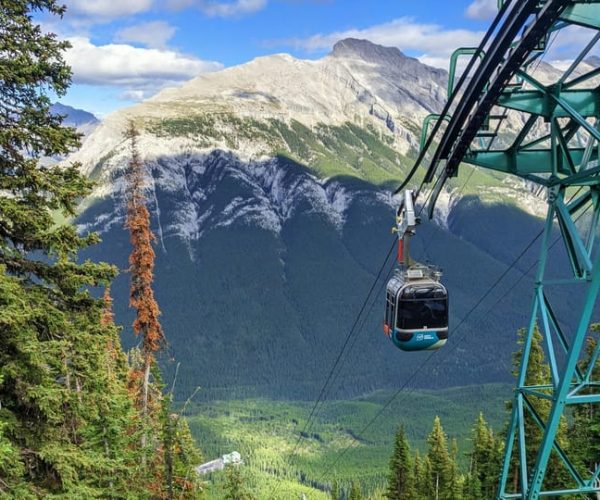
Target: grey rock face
392 76
83 121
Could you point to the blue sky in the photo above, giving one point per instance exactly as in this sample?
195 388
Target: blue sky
127 50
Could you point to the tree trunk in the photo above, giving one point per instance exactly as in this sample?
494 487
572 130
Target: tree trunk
78 388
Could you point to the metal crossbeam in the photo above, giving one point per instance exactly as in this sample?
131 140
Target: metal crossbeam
583 101
525 162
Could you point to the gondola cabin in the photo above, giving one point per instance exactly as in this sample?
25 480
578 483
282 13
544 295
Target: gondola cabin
416 312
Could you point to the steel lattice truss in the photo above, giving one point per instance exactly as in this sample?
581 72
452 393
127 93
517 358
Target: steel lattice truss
504 118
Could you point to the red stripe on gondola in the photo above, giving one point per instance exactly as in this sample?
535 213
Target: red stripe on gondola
401 250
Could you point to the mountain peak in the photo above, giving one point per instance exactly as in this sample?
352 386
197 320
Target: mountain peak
593 61
366 50
74 117
83 121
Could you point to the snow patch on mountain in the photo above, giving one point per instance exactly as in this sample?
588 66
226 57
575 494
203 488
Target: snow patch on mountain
188 184
447 200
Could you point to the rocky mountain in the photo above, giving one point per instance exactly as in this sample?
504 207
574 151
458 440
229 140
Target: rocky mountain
83 121
593 61
270 197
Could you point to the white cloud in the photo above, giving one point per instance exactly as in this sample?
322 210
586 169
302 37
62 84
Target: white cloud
89 12
239 7
134 69
221 8
105 10
567 43
135 95
431 41
154 34
482 10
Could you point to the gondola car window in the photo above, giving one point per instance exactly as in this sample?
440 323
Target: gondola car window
420 313
389 317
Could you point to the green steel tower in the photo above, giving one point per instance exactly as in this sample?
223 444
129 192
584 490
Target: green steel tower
557 146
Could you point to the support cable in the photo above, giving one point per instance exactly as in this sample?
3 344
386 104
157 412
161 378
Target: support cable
337 361
451 98
433 353
458 339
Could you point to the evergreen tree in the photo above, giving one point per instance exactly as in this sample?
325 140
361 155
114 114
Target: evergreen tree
235 489
421 480
440 463
485 459
167 463
456 480
141 261
55 399
10 464
538 373
145 382
181 456
430 485
472 489
149 427
401 481
355 492
585 428
114 431
111 430
335 491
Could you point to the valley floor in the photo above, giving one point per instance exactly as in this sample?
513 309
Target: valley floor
265 432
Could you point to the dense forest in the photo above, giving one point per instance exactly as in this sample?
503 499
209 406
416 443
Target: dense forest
441 467
79 418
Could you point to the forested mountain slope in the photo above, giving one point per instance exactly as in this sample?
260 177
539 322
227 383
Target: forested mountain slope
270 188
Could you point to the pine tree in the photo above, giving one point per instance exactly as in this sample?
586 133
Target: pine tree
235 489
430 485
141 261
114 431
54 397
444 480
11 467
456 480
485 458
335 491
585 428
538 373
181 456
145 389
472 489
167 463
440 463
355 492
401 481
422 482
